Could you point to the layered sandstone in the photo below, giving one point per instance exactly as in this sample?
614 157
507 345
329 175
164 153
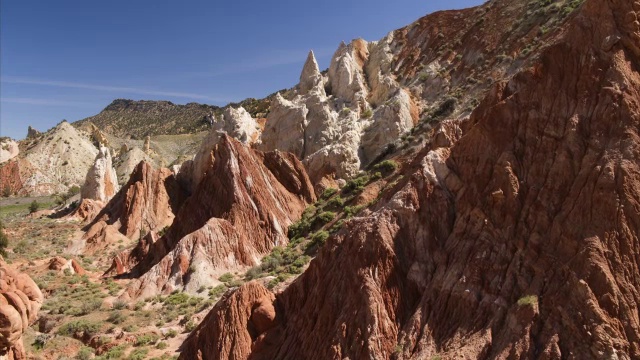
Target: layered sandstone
512 234
148 202
238 212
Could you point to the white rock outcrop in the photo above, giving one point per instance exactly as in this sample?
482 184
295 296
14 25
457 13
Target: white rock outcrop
101 183
239 124
346 77
311 79
285 127
389 122
8 150
337 133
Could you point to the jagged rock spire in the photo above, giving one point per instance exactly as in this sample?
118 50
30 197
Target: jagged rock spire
310 77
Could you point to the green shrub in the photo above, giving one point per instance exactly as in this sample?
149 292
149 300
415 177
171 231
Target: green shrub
349 211
357 184
529 300
85 353
218 290
146 339
367 114
320 237
116 318
162 345
336 202
190 326
171 333
87 327
177 298
225 278
34 207
386 167
138 354
324 217
337 226
115 352
119 305
328 192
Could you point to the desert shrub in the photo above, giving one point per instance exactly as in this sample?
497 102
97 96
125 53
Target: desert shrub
336 202
85 353
41 341
217 291
324 217
115 352
386 167
119 305
35 206
367 114
349 211
177 298
529 300
357 184
190 326
116 318
337 226
171 333
89 328
328 192
162 345
225 278
320 237
130 328
138 354
253 273
146 339
21 247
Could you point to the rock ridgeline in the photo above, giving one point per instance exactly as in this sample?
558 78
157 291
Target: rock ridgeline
236 214
513 233
20 300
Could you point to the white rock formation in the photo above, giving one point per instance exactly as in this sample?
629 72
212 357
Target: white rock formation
285 127
346 78
239 124
101 183
128 161
338 133
8 150
311 79
61 158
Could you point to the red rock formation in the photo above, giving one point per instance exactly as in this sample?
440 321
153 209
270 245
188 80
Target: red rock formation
514 235
146 203
10 177
20 300
235 323
239 211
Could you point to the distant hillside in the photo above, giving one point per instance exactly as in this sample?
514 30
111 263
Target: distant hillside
140 118
124 118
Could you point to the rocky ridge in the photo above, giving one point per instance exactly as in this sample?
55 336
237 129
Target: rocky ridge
511 233
217 231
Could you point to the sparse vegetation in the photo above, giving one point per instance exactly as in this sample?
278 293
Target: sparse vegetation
529 300
35 206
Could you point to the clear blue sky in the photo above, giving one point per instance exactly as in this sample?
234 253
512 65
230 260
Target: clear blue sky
68 59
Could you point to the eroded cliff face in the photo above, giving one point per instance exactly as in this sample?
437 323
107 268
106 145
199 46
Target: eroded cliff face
513 233
238 212
148 202
20 300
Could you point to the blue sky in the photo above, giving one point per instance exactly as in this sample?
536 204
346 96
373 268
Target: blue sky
68 59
